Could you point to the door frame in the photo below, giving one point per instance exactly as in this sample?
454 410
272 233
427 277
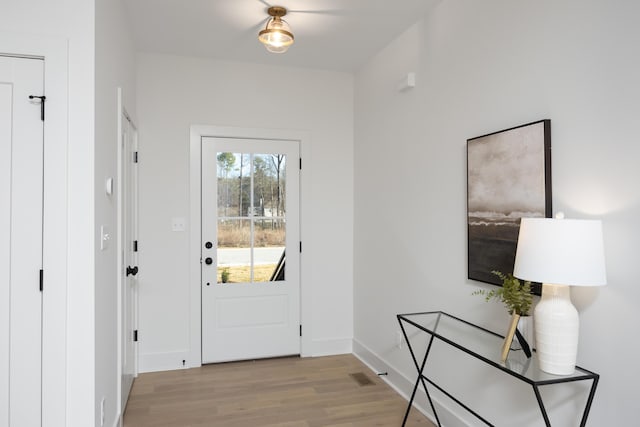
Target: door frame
55 237
195 193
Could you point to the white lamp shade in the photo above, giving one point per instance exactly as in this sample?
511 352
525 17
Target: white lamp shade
561 251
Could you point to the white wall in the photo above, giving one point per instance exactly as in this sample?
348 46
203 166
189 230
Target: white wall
68 301
177 92
482 67
114 67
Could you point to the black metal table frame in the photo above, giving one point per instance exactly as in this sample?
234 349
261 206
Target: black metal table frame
535 384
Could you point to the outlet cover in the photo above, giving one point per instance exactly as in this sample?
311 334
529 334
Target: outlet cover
102 412
399 339
178 224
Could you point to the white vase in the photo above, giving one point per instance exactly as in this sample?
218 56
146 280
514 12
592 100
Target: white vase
556 330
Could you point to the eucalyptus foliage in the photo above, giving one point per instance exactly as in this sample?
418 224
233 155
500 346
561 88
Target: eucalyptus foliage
514 294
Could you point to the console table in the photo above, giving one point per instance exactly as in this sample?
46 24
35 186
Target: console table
483 345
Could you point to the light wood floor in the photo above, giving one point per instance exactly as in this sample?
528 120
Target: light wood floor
287 392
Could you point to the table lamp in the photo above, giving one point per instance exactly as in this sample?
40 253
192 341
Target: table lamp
559 253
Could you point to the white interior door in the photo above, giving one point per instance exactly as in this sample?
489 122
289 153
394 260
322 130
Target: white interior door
21 190
129 229
250 249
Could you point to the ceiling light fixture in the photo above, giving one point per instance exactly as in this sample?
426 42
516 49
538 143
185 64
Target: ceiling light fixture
277 35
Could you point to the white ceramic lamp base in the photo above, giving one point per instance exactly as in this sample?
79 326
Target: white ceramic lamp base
556 330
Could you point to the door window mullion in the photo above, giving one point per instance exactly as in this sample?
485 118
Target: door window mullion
251 219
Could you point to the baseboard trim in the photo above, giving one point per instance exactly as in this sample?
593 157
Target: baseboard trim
155 362
330 347
404 387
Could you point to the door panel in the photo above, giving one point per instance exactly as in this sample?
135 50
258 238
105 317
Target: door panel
248 311
130 256
250 220
21 189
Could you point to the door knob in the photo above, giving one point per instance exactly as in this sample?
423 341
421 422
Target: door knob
132 271
208 261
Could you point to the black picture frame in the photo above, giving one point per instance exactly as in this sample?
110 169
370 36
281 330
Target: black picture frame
508 178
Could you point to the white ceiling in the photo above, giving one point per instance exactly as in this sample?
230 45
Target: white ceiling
329 34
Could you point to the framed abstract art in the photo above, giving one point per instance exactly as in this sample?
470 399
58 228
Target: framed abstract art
508 178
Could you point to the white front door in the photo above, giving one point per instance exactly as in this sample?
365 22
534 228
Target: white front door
21 190
129 230
250 249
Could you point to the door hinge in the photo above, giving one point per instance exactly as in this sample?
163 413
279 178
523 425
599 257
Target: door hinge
301 247
135 157
41 280
135 246
135 335
300 163
42 99
300 330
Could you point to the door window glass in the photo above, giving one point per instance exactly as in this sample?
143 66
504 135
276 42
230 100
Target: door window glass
251 222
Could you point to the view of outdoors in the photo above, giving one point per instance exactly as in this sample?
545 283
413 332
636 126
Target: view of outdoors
251 217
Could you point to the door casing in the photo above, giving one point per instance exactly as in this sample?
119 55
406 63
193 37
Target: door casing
197 133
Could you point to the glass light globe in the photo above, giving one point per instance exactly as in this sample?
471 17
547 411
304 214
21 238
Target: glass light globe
277 35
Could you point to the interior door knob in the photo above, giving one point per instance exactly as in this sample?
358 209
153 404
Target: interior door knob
132 271
208 261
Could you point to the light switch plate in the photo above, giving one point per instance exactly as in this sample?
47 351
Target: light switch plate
105 237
